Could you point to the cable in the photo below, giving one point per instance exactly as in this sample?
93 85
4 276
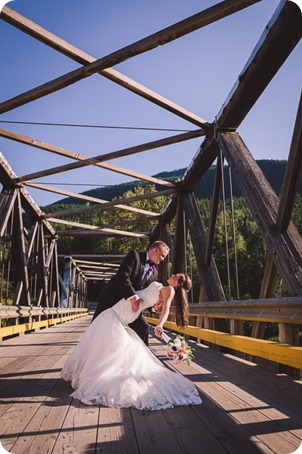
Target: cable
91 126
77 184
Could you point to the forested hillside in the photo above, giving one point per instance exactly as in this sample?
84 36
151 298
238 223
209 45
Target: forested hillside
272 169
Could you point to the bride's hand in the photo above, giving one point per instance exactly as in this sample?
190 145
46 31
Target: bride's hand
158 331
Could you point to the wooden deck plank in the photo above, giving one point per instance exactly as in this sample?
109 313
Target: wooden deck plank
259 380
116 434
191 432
23 406
154 433
78 433
245 409
259 417
40 434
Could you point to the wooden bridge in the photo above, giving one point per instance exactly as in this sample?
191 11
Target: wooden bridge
246 407
251 387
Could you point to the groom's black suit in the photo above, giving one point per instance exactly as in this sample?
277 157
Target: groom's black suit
124 284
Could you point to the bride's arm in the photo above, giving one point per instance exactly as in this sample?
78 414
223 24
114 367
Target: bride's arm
167 295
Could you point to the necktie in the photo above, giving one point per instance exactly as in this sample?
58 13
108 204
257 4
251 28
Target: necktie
147 271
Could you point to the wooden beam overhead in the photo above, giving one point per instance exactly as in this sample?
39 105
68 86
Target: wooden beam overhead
105 257
115 204
71 51
279 38
82 263
78 157
268 56
97 228
90 267
99 203
79 232
162 37
96 159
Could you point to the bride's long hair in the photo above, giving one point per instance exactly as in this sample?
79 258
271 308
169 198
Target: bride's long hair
181 300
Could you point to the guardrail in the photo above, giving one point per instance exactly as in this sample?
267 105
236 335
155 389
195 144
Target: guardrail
284 311
22 319
289 355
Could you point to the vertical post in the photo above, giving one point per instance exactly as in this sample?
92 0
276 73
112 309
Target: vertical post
19 255
164 267
209 274
179 239
42 270
66 283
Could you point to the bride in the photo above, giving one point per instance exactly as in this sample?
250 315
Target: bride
112 366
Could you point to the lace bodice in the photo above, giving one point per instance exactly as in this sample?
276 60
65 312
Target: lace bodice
149 295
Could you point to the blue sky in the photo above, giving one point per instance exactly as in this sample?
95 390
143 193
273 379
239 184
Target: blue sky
197 72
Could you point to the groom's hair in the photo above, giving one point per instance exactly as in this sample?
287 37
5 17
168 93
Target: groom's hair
159 244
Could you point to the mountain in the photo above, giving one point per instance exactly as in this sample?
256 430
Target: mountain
273 170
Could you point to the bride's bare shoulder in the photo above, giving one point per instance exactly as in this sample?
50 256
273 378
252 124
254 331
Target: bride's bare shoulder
167 291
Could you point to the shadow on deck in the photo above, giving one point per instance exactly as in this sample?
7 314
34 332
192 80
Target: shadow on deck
246 408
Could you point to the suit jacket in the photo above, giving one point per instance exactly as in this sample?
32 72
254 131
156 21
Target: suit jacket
126 281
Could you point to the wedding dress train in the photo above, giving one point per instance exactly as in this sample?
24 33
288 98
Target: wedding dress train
112 366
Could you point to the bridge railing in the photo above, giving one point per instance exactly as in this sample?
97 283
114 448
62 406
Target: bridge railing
23 319
283 311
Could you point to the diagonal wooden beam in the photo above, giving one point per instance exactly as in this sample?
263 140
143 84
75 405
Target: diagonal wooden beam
96 159
79 232
287 198
214 209
292 174
83 58
286 28
104 203
208 273
7 178
78 157
7 203
202 161
284 248
116 204
279 38
97 229
162 37
180 239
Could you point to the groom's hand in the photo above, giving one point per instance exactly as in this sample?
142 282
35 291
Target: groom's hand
135 303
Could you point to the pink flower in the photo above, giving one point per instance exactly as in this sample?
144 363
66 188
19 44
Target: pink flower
178 350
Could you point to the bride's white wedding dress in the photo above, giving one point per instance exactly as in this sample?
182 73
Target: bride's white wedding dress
112 366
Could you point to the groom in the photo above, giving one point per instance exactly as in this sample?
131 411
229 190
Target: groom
136 272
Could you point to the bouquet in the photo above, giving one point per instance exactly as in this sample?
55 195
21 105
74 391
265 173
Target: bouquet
177 349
